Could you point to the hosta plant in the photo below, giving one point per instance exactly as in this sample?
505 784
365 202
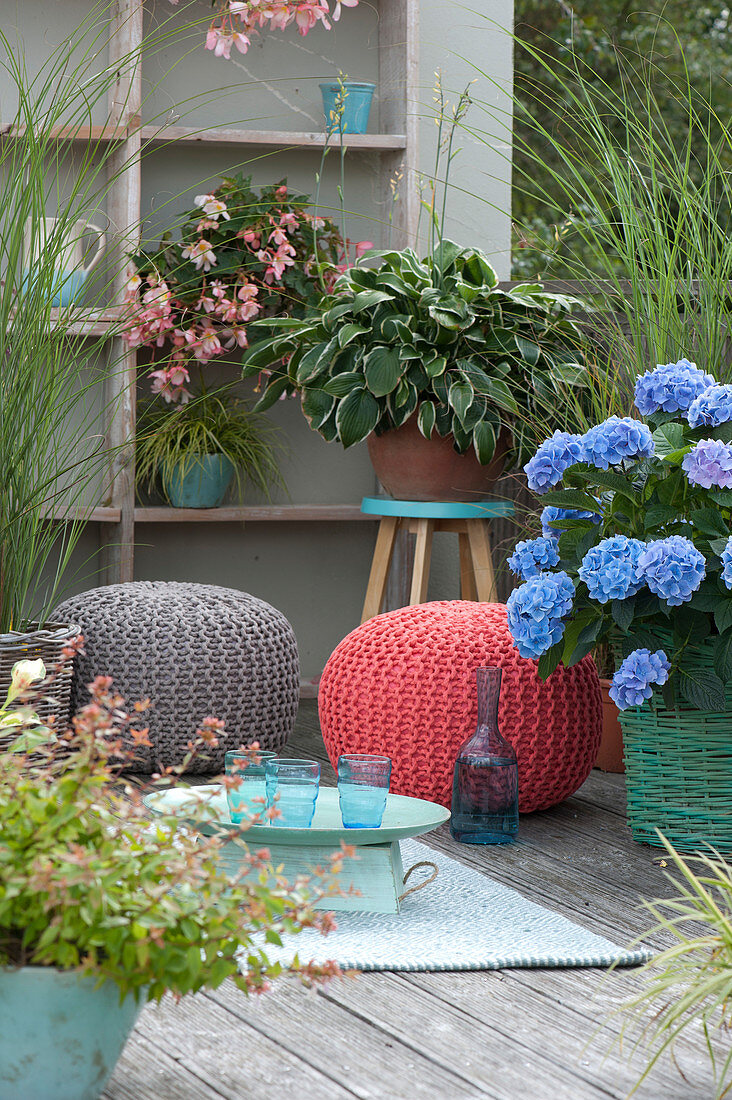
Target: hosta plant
637 544
89 882
435 338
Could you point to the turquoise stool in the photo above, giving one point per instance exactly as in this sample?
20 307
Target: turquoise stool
423 519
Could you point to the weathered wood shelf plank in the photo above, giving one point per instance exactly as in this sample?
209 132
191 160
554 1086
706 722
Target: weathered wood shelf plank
153 136
93 515
87 322
313 139
264 513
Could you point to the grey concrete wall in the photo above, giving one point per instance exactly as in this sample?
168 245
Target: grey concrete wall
316 573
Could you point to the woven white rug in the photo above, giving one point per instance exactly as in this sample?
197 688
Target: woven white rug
461 921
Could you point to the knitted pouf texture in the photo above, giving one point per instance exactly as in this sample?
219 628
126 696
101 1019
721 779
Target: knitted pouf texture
403 684
193 650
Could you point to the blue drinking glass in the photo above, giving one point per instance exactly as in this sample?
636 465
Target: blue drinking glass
250 797
292 787
363 784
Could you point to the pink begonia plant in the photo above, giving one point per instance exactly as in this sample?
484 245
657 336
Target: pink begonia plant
255 15
242 255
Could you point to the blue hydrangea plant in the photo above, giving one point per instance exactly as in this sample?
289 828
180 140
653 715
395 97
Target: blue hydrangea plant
636 543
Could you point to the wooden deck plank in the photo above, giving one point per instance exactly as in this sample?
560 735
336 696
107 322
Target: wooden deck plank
146 1070
218 1047
477 1041
579 1034
510 1035
344 1045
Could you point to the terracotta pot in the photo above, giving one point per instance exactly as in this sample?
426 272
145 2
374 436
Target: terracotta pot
411 467
610 756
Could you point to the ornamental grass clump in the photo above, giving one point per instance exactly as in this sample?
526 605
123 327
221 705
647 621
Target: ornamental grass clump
636 545
89 882
689 984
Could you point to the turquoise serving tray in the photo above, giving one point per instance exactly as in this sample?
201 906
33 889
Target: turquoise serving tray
403 817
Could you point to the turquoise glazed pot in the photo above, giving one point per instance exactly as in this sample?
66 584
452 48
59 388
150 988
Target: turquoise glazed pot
356 106
203 485
60 1038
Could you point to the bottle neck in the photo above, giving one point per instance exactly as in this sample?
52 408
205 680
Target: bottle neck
489 690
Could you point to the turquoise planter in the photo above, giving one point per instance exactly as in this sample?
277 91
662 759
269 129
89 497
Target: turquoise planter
203 485
356 106
60 1038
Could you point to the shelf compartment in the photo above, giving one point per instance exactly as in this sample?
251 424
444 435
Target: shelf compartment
263 513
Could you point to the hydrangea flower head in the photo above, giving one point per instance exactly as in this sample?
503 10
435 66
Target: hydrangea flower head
709 464
617 438
554 515
554 456
535 612
632 682
672 568
610 569
533 556
727 563
670 387
711 408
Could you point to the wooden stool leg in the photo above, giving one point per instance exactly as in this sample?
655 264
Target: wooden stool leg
380 567
480 548
467 577
422 554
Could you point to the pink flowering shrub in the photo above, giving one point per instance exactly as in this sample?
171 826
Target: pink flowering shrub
91 882
242 255
235 21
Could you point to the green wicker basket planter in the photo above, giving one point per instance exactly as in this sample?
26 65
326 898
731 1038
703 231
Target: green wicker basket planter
678 772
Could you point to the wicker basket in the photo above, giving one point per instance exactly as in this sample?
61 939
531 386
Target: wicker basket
678 772
48 644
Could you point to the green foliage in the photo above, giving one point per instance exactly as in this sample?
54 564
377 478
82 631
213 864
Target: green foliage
437 338
88 881
172 438
52 453
690 982
632 153
680 37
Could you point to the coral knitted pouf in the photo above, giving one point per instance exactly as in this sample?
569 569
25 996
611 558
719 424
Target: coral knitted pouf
403 684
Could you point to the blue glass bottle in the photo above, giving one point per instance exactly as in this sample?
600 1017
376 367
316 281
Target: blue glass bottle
485 783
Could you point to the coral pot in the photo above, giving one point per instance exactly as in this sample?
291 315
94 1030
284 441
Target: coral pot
60 1038
411 467
610 756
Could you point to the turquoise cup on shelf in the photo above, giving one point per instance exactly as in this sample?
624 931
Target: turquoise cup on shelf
356 106
292 788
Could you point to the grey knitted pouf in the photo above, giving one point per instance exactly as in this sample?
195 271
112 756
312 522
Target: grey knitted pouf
193 650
